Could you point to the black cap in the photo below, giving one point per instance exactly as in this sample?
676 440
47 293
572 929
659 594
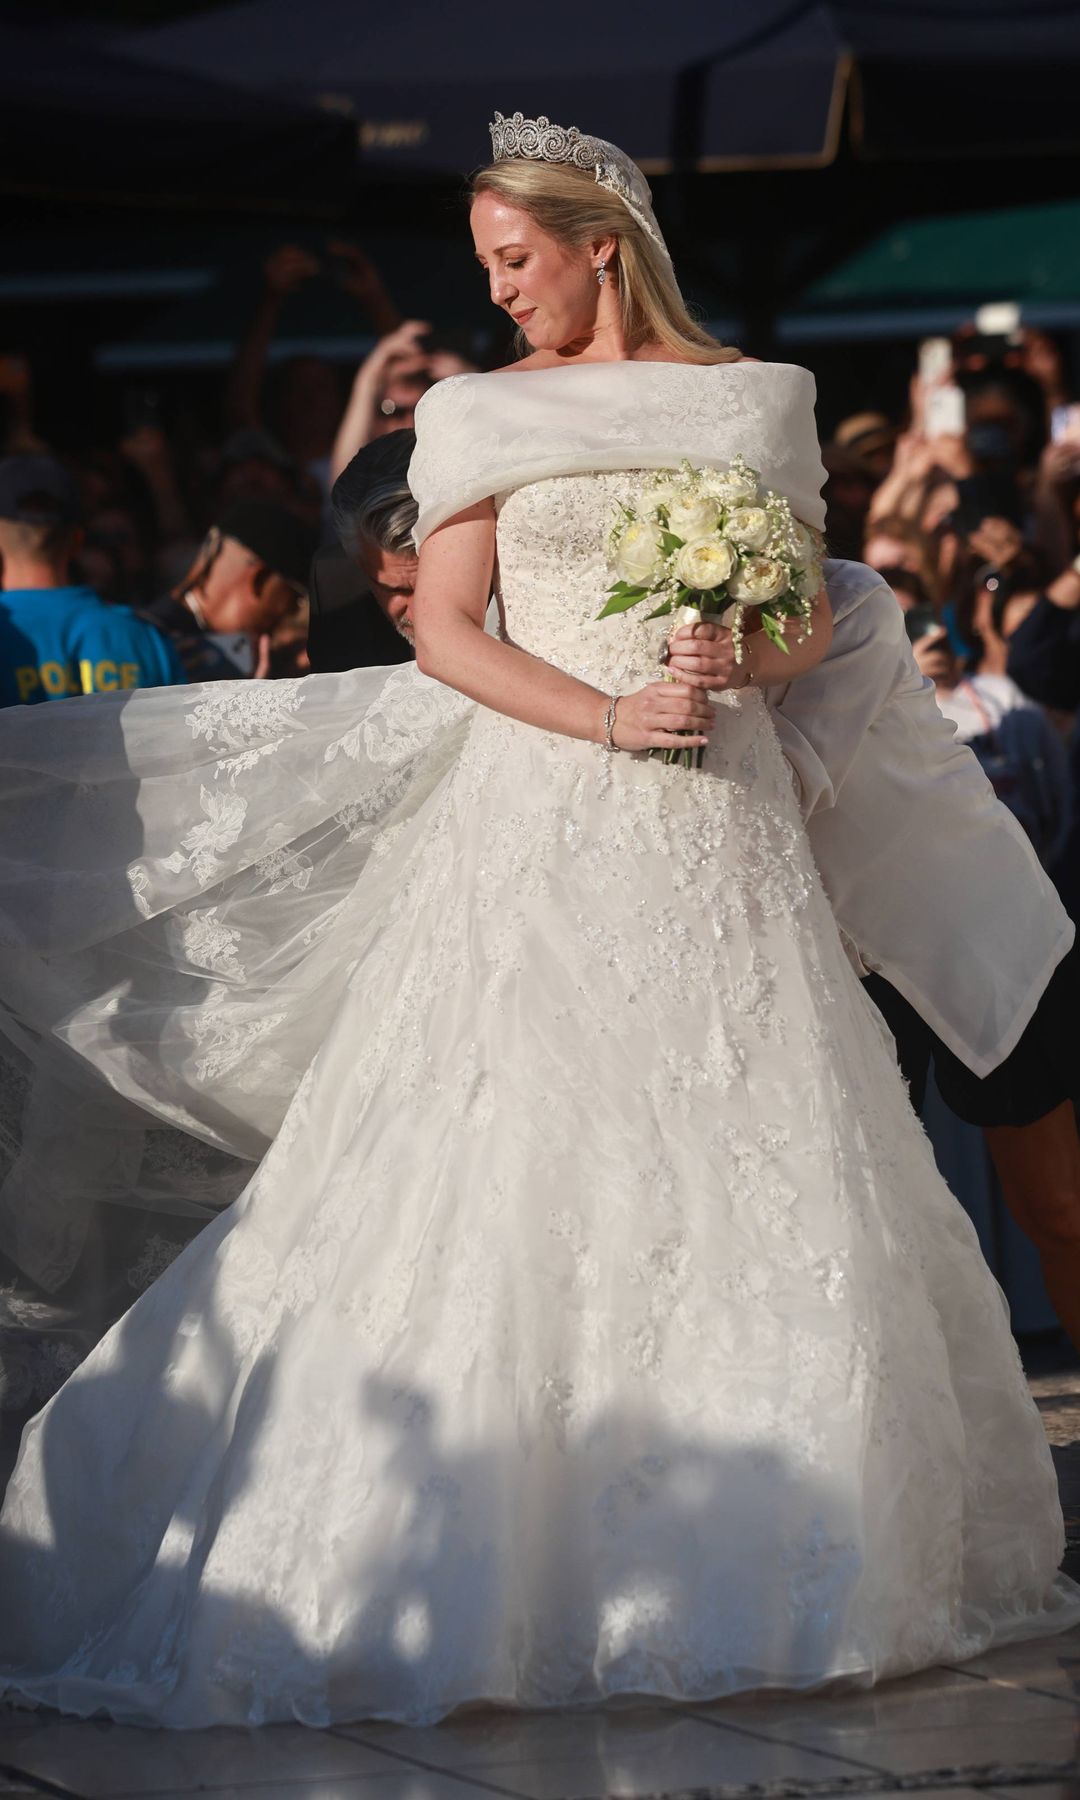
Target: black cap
278 538
37 490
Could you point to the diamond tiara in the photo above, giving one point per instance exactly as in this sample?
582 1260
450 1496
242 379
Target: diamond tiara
542 141
538 140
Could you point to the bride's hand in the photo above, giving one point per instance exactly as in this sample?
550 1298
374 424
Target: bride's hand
658 716
703 656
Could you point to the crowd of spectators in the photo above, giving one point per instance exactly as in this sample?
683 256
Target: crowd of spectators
970 509
141 561
206 551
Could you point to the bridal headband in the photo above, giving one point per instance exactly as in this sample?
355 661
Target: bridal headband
538 140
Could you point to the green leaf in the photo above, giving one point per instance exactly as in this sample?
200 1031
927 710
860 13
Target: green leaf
661 611
620 603
670 542
774 631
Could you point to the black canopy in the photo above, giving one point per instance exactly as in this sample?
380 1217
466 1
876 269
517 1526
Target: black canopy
424 79
962 77
78 121
742 83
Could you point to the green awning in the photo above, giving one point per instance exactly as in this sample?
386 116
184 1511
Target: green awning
931 274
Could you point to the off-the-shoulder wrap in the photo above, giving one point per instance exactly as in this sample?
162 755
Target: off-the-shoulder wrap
481 435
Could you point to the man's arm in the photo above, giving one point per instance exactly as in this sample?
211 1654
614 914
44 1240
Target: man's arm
822 718
286 270
1044 650
360 417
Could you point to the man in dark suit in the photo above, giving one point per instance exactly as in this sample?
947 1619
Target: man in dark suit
361 589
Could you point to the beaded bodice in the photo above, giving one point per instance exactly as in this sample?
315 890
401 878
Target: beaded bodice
553 574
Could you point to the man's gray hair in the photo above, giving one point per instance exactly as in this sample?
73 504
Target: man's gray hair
387 517
372 499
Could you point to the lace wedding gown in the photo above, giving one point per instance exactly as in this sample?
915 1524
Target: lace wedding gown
596 1321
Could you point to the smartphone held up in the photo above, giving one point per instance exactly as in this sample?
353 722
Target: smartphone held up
942 400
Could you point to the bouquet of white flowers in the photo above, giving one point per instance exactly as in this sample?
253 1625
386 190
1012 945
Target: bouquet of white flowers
712 541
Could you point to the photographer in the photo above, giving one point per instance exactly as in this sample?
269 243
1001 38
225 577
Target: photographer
1017 747
387 387
388 384
249 575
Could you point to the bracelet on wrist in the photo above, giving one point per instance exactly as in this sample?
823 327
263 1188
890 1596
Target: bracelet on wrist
609 724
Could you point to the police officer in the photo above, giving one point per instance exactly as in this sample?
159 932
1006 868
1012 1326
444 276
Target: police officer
58 639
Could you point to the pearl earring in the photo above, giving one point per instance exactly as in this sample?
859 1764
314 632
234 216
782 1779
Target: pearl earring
601 273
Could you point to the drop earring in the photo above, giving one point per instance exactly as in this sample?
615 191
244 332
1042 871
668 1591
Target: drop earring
601 273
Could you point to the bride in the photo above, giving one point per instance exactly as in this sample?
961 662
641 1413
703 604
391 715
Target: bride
595 1321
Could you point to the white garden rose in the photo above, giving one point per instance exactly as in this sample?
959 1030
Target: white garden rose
731 488
749 526
694 516
760 578
662 493
705 562
640 551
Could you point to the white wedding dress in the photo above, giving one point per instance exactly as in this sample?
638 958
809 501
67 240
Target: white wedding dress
596 1322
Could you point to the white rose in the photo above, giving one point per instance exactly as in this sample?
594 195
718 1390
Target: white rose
731 488
759 579
639 553
748 525
693 517
662 493
705 562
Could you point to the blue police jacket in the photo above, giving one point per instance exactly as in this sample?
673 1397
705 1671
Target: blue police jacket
55 642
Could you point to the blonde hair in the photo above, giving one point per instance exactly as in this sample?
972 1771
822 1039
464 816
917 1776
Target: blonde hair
571 206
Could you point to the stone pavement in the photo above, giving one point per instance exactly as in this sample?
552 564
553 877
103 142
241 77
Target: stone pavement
1006 1727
